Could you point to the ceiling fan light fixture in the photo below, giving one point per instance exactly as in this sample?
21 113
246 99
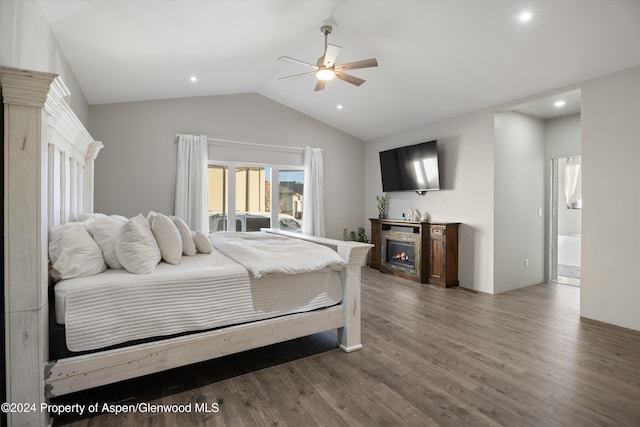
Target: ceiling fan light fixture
325 67
325 74
525 16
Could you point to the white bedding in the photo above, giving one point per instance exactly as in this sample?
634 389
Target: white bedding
263 253
202 292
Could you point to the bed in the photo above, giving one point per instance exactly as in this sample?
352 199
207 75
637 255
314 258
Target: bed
48 170
203 292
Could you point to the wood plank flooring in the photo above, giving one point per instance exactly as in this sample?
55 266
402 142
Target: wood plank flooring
431 357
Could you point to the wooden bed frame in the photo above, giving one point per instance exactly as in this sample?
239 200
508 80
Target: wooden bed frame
48 179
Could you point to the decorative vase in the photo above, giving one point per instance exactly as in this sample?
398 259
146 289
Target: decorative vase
382 216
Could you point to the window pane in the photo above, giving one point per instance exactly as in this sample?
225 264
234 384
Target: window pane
252 200
290 203
218 197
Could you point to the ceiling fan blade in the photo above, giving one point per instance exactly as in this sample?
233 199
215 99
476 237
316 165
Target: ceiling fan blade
365 63
331 55
320 85
295 76
296 61
349 79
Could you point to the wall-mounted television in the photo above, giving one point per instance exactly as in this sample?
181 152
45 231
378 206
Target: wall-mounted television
411 168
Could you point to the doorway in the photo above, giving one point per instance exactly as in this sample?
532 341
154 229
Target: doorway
566 220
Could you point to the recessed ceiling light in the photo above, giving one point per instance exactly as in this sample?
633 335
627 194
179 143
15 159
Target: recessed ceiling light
559 104
525 16
193 79
339 106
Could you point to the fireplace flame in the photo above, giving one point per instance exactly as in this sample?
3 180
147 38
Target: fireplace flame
402 256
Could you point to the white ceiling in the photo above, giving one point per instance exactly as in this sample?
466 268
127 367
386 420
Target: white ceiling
437 59
545 108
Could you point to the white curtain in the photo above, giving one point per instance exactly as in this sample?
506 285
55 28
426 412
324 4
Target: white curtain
572 183
313 223
191 182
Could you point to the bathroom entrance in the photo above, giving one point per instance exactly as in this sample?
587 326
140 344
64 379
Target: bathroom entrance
566 220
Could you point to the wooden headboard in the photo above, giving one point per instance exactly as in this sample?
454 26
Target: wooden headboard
48 179
71 152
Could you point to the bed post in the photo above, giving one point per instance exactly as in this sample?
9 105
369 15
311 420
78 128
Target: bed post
25 239
355 254
349 336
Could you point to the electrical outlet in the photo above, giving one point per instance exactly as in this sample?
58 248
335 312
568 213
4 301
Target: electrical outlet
526 263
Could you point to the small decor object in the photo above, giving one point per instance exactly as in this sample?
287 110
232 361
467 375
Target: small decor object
413 215
383 205
425 217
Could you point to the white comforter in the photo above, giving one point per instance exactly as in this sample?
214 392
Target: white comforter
202 292
262 253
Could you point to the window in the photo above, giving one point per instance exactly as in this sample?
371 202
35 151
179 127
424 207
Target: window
290 191
252 197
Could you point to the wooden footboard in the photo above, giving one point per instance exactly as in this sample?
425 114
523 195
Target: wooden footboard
73 374
92 370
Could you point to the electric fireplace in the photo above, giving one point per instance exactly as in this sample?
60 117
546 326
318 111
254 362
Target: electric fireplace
401 253
425 252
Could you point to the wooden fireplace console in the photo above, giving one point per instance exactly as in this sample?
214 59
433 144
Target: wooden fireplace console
435 244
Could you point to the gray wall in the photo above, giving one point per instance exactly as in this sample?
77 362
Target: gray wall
563 138
610 287
26 42
135 172
519 219
465 146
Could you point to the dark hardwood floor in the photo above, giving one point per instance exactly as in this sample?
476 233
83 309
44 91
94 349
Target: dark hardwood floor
431 357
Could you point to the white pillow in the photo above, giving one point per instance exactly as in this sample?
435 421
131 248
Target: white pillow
168 238
83 217
55 235
119 218
136 247
188 245
150 216
203 245
104 232
76 254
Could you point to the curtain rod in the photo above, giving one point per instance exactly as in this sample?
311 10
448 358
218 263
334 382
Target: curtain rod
253 144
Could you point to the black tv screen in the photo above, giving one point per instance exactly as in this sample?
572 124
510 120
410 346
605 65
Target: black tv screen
411 168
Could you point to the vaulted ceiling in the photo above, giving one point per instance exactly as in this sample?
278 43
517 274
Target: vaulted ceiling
437 59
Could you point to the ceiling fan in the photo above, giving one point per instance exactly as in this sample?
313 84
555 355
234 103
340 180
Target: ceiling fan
326 69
